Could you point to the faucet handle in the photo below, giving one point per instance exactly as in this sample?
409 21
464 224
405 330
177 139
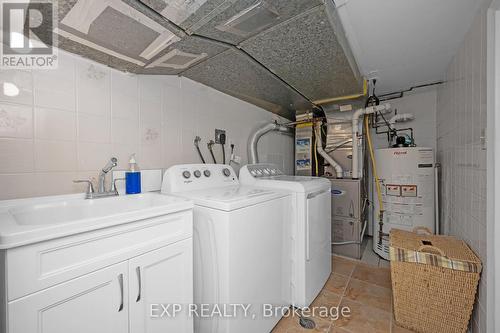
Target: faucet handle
90 188
113 186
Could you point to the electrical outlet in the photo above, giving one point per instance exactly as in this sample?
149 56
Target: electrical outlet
218 133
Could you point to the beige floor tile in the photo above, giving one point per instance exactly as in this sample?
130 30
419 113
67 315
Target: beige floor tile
334 329
369 294
323 304
369 257
371 274
342 266
291 324
397 329
384 263
336 283
364 319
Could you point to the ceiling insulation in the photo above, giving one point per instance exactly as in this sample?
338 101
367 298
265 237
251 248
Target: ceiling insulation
238 75
328 71
277 54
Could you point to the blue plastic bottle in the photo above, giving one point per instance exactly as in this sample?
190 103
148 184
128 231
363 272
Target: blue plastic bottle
133 177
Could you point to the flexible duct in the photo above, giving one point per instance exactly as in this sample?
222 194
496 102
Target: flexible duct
319 148
355 133
253 156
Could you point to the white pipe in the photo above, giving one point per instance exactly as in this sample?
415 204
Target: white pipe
319 147
400 118
355 134
437 230
253 156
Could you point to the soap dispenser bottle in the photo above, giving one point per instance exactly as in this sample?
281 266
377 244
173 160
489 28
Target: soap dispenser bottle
133 177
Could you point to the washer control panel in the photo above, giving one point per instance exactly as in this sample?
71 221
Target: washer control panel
189 177
263 170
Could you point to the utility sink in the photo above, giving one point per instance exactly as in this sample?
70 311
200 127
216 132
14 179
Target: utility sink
31 220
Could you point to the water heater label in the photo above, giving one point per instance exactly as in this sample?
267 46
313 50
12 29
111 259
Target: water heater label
409 190
400 152
393 190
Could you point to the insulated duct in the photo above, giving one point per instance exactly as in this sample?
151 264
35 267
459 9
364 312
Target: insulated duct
253 157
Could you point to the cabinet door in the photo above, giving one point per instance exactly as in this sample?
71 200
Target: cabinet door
158 280
96 302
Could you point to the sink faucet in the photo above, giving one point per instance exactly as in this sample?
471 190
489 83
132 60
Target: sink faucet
102 193
113 162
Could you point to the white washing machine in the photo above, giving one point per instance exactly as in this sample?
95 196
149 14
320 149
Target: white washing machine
239 246
309 227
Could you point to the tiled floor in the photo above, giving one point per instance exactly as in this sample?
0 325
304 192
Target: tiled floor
370 257
364 288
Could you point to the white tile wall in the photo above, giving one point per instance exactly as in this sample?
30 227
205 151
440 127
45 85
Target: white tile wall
66 123
422 104
461 120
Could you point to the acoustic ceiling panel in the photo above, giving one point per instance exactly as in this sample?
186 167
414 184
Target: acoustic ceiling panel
289 52
238 75
310 53
246 18
231 21
129 36
188 14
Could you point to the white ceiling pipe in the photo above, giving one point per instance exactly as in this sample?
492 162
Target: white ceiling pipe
319 147
401 118
384 108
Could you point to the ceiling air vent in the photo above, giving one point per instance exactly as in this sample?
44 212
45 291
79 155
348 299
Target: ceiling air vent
251 20
115 28
177 59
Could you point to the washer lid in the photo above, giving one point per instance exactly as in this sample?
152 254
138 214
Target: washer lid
231 197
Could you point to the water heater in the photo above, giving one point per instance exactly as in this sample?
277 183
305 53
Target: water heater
407 184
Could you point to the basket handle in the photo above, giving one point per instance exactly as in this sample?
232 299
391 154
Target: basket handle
424 229
423 248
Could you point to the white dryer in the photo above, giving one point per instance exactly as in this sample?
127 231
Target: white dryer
309 227
238 246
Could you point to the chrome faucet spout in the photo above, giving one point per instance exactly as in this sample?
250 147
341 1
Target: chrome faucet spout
113 162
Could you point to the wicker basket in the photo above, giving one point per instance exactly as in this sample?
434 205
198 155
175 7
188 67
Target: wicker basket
434 281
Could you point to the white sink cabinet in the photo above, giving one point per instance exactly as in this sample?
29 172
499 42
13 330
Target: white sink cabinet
103 280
